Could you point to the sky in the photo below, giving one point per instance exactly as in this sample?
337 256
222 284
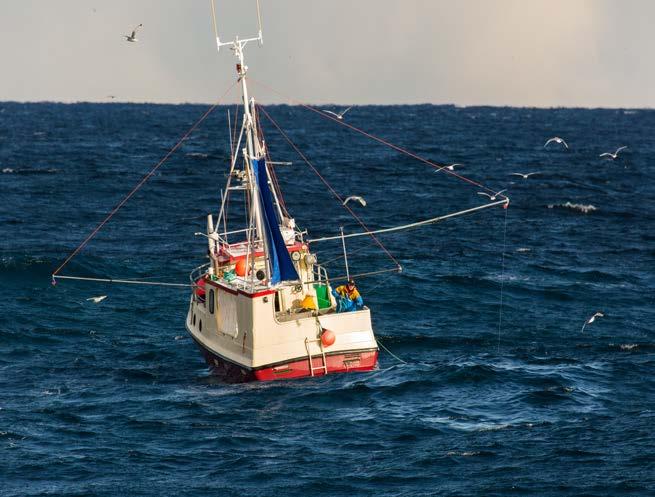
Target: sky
542 53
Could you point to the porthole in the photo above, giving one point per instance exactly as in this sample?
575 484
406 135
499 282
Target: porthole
200 325
194 320
211 301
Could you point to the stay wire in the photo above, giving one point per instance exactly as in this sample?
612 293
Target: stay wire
142 182
438 168
325 182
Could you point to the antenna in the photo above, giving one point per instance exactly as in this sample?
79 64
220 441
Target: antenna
218 41
241 43
259 21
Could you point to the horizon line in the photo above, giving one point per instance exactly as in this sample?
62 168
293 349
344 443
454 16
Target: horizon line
416 104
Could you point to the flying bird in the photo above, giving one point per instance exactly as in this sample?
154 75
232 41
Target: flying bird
338 115
355 197
492 197
525 176
132 38
592 319
97 300
557 140
613 156
450 167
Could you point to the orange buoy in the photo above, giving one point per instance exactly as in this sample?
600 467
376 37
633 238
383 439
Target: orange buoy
328 338
240 268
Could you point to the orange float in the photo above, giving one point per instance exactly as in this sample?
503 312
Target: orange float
240 267
328 338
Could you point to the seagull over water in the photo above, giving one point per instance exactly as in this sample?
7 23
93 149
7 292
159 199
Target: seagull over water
450 168
97 300
614 155
525 176
338 115
132 38
492 197
557 140
592 319
355 197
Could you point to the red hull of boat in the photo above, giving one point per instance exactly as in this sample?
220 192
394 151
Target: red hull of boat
343 362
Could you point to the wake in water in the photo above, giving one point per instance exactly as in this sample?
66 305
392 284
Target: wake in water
585 209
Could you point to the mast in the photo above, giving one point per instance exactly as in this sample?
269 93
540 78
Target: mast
252 151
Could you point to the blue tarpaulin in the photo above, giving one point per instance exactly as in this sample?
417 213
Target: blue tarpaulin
282 268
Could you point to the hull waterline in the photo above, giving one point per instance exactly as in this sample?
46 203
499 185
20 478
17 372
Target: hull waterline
339 362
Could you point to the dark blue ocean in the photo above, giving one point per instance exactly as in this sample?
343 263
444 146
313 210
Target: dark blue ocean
114 399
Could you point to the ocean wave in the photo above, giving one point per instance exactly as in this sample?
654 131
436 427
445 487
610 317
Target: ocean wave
585 209
470 453
25 172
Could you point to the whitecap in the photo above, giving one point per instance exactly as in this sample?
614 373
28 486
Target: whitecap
585 209
8 170
523 249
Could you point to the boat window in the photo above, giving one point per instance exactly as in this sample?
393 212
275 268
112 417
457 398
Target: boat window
194 320
277 301
200 325
211 301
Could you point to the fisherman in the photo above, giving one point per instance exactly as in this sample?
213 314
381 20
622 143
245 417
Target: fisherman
348 297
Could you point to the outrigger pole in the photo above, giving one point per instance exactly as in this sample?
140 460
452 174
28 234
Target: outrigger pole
411 225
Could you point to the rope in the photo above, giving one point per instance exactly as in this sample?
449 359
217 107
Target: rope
334 192
388 351
141 183
125 282
502 281
438 167
353 276
371 290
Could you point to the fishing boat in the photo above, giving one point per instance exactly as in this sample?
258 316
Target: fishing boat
263 307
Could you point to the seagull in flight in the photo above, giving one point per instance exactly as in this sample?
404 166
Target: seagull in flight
592 319
613 156
338 115
450 168
97 300
132 38
558 140
525 176
492 197
355 197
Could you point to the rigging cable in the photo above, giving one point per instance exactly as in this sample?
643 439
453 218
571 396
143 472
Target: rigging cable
378 139
334 192
141 183
502 281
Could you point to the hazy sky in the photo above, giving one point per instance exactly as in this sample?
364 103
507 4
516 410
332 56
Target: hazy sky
467 52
